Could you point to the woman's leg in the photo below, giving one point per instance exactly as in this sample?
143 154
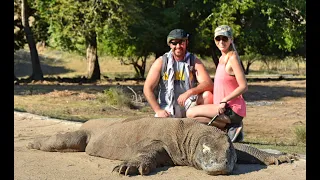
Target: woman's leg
204 114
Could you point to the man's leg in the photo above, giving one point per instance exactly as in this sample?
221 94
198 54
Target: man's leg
205 98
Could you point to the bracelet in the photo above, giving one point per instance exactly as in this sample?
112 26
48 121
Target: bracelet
223 102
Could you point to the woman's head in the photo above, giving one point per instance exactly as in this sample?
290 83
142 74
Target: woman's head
223 38
223 30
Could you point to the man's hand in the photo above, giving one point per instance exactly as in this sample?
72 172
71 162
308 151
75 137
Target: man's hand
183 97
162 113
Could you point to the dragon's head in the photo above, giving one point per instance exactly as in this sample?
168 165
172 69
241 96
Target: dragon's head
215 154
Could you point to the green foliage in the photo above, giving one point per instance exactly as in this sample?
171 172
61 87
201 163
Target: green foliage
18 32
262 27
116 97
134 30
135 37
300 133
71 21
39 24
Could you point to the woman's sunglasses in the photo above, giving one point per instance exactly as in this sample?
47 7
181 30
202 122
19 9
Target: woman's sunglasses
223 38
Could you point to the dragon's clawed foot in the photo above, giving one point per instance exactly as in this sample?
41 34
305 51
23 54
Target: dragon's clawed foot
132 168
279 159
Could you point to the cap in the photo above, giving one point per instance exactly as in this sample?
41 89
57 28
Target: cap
223 30
177 34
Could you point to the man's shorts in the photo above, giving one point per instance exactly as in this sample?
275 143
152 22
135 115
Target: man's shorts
180 111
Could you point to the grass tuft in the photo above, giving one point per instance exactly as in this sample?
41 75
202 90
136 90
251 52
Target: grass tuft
116 97
300 133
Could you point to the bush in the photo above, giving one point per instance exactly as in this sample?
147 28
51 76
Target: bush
116 97
300 132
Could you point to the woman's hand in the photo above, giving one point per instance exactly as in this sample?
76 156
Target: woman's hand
222 107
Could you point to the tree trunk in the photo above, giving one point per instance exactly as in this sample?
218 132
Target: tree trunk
92 57
244 70
36 68
214 57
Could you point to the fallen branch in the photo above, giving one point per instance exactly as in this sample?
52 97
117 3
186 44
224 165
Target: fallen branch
135 94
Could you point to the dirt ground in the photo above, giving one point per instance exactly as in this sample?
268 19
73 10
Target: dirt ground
272 114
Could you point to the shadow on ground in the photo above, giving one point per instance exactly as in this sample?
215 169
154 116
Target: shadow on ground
255 92
265 93
247 168
23 66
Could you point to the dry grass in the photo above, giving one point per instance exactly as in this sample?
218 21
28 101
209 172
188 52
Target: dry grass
56 63
65 64
78 103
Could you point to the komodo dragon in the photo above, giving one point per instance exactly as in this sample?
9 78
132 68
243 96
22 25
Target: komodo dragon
143 144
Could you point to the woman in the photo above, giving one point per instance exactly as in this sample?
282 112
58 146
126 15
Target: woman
229 107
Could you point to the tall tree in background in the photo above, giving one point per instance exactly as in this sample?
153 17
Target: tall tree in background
140 33
78 25
261 28
146 27
18 33
132 30
36 68
73 26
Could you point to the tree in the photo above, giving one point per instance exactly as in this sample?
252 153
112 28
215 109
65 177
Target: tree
19 36
133 30
138 37
144 31
36 68
72 26
261 28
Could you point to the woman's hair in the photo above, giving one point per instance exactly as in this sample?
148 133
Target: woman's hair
225 30
232 48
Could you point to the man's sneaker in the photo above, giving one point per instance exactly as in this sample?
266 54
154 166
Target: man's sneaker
235 133
190 102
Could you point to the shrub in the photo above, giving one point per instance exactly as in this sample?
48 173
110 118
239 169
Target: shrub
300 133
116 97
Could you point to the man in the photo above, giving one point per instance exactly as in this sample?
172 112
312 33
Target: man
181 77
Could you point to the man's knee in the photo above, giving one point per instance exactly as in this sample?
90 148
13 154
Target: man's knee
206 98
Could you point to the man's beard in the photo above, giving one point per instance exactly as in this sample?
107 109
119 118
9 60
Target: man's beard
181 53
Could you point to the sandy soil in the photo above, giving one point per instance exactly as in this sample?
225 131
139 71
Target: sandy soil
34 164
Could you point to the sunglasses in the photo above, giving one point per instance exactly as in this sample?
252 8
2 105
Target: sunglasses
177 42
223 38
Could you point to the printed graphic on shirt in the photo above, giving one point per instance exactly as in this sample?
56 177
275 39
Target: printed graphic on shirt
178 75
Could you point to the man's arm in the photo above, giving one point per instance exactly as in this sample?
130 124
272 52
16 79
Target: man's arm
204 83
203 78
151 82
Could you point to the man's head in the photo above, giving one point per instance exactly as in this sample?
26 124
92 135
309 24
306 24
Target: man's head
177 39
177 34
